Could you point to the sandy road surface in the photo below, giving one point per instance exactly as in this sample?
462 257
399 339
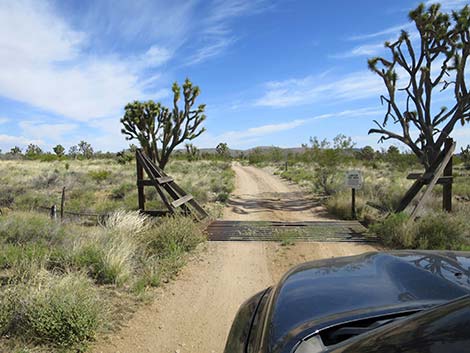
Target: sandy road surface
261 196
194 313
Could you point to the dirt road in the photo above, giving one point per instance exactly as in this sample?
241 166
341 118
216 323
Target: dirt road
261 196
194 313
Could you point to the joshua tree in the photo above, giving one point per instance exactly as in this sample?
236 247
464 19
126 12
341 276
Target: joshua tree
59 150
73 151
33 150
367 153
15 151
465 156
222 150
158 129
433 65
85 149
192 152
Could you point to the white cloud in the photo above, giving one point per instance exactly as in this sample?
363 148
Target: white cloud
4 120
155 56
351 113
214 48
52 132
311 89
43 65
216 35
250 136
361 50
382 33
8 141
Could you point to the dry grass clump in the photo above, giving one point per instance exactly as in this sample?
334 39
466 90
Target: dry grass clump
127 222
52 272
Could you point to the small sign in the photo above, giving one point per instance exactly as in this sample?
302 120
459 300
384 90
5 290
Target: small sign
354 179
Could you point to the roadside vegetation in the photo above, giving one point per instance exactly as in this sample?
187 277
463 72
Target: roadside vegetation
104 185
320 167
63 284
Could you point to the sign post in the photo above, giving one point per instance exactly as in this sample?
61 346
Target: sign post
353 181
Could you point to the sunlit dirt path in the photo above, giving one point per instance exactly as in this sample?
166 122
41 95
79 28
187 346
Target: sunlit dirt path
194 313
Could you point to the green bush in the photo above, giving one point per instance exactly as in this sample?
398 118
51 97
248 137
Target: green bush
440 230
395 231
7 310
22 228
436 230
63 311
99 175
173 235
222 197
120 192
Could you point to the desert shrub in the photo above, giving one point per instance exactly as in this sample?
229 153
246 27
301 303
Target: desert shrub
298 174
440 230
394 231
21 228
173 235
7 310
286 237
340 205
46 179
63 311
99 175
327 180
21 258
435 230
222 197
120 192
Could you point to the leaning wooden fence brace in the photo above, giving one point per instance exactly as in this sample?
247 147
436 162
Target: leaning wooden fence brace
172 195
433 175
432 183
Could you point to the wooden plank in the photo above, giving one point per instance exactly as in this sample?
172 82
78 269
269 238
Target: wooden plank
427 192
140 176
446 179
418 185
146 182
176 192
182 200
158 173
147 165
164 180
157 213
447 188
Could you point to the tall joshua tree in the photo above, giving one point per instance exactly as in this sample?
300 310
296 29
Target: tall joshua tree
431 66
158 129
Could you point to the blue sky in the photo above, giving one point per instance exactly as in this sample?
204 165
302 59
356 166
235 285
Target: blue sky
271 72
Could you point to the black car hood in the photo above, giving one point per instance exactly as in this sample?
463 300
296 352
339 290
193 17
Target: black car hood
322 293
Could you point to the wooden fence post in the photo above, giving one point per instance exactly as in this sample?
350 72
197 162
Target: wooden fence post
53 212
140 186
62 204
353 203
447 187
